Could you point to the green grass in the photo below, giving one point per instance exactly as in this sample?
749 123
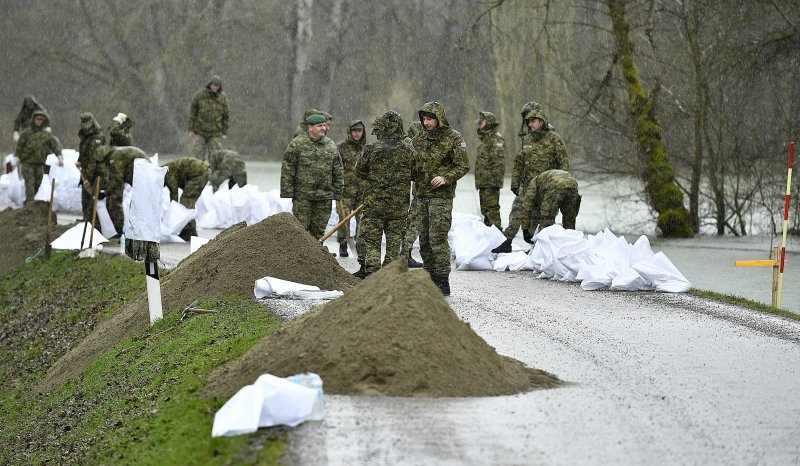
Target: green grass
744 302
137 403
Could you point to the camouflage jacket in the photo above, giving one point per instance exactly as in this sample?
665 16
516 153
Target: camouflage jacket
349 151
90 139
224 165
208 115
183 170
312 170
544 150
35 144
548 180
98 165
442 152
120 162
25 115
119 134
387 168
490 161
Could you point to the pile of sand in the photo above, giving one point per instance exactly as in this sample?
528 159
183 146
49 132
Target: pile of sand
24 232
394 334
228 265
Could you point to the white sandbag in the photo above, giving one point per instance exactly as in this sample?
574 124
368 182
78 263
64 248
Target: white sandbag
143 221
629 280
71 239
240 204
206 209
512 261
195 242
104 219
16 188
659 272
472 242
269 401
43 193
67 196
271 287
174 219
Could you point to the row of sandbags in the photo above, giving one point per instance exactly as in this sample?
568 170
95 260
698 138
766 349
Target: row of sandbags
596 261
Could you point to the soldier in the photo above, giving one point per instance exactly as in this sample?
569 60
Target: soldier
302 127
349 150
227 165
411 227
490 168
386 169
25 115
91 138
443 160
542 149
34 145
190 175
120 171
119 133
550 191
208 119
312 176
328 121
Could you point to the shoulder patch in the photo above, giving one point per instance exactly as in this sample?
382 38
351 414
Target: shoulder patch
499 144
527 146
463 145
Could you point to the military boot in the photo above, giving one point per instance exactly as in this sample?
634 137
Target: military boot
360 273
413 263
443 283
343 250
505 247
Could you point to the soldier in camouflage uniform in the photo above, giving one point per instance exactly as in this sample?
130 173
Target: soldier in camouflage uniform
386 169
119 133
350 150
190 175
312 176
33 147
542 149
490 168
550 191
91 138
227 165
411 227
443 160
25 115
120 171
208 119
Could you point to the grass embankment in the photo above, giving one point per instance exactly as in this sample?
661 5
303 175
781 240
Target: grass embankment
137 402
744 302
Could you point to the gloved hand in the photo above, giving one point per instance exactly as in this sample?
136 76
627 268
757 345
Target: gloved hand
527 236
515 191
16 136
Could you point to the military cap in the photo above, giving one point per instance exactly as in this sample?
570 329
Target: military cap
315 119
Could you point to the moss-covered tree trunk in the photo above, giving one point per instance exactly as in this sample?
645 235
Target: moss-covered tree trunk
663 193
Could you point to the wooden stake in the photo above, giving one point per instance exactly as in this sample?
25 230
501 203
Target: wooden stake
47 247
94 208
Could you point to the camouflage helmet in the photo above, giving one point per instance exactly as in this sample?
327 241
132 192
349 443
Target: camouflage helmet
536 113
489 118
86 117
388 125
532 105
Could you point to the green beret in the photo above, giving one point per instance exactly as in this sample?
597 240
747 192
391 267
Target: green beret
315 119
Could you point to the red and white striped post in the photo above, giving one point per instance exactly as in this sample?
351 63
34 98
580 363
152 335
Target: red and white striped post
785 221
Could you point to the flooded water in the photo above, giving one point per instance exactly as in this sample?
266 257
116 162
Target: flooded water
708 262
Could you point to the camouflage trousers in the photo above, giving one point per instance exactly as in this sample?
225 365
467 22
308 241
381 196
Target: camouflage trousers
32 173
203 147
567 200
434 217
411 228
490 206
115 210
312 214
514 218
344 232
370 235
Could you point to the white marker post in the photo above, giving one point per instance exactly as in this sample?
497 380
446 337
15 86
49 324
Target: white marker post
153 292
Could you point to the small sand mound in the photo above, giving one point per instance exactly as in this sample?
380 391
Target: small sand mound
394 335
23 232
228 265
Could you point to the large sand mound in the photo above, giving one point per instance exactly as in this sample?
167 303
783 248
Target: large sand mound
24 231
228 265
394 334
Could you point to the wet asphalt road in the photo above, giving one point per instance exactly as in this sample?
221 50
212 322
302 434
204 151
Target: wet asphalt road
652 379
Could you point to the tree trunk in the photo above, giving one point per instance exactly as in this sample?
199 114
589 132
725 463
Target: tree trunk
301 59
663 193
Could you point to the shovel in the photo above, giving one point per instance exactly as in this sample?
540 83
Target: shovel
47 247
342 223
89 253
